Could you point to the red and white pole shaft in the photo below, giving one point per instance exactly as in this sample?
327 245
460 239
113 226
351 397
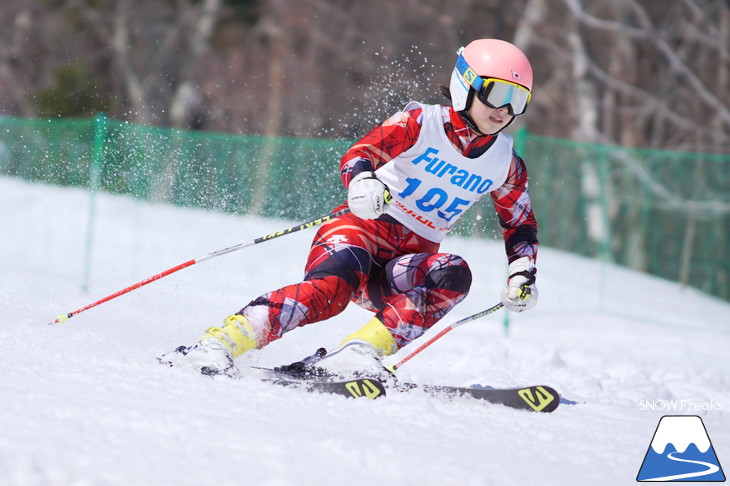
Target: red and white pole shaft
63 317
444 331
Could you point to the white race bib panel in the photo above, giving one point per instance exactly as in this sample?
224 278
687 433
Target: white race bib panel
432 184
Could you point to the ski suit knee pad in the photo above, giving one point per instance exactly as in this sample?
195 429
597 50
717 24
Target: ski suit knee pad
454 276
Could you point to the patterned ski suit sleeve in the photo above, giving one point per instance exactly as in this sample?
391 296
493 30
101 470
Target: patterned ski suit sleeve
385 142
512 203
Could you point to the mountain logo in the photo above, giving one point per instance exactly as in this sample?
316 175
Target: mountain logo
681 451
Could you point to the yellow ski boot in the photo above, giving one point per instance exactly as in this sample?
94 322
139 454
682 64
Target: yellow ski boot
214 353
360 353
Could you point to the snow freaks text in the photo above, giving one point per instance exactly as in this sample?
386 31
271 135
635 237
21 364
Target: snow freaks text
680 406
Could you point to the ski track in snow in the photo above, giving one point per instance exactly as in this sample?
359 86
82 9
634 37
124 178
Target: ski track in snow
85 403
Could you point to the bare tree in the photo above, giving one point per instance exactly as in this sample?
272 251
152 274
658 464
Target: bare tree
155 49
671 85
659 70
19 21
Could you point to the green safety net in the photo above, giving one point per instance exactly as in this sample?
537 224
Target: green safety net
662 212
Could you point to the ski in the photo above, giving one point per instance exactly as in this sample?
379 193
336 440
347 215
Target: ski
539 398
358 388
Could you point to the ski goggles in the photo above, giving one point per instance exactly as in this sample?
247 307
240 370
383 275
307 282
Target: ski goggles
493 92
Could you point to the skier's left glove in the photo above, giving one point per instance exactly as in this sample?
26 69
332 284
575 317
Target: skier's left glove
367 197
520 294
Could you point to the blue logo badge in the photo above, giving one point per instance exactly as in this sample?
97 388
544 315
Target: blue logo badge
681 451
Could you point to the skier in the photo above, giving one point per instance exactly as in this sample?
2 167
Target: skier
408 181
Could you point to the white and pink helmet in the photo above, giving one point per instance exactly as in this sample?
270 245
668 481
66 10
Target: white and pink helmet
487 60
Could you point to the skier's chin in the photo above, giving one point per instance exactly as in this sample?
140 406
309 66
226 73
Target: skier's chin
490 127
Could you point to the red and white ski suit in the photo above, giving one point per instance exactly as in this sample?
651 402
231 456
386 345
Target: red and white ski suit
385 265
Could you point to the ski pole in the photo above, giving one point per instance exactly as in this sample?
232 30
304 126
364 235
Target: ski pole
315 222
441 333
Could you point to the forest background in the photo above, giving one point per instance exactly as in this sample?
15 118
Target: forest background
221 104
636 73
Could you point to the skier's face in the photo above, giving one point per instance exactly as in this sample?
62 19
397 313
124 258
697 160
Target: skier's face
489 120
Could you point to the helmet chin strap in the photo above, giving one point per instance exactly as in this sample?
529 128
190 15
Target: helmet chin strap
470 122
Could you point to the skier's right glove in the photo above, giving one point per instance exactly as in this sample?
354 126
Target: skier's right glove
521 292
367 197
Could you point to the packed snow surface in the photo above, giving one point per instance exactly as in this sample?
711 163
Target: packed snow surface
86 403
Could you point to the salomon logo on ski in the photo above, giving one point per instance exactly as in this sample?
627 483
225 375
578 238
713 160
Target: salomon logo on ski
537 397
359 388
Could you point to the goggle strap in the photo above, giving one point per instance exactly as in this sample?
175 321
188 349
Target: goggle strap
468 74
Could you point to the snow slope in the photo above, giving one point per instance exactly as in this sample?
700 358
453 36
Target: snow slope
85 403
